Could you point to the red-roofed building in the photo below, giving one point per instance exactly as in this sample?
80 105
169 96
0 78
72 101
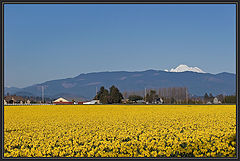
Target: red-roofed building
62 101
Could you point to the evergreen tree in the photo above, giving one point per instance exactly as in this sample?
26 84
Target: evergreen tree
115 95
211 97
99 93
206 97
102 95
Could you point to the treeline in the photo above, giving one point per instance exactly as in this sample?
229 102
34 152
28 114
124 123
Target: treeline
35 99
220 97
174 95
230 99
171 95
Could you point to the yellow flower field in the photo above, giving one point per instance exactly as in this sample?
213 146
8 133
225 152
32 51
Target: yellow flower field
120 131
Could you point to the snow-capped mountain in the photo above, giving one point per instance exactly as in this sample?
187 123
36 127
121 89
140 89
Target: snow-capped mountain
184 68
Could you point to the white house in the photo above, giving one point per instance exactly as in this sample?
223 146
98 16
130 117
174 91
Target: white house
215 100
91 102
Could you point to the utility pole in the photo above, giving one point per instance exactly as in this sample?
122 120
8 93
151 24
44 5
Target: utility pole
145 93
42 94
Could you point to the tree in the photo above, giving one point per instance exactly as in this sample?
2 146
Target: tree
172 100
135 98
206 97
230 99
99 93
211 96
148 99
115 95
151 97
102 95
220 97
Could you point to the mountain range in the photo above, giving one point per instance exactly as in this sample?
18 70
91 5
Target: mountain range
84 85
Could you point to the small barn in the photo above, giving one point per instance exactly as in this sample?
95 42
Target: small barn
62 101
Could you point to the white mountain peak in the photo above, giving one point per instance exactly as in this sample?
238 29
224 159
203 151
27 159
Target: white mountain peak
184 68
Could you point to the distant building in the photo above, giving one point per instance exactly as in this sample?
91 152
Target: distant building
13 99
140 101
62 101
98 101
125 101
92 102
215 101
28 102
159 101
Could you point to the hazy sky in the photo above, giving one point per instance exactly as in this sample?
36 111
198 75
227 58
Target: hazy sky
55 41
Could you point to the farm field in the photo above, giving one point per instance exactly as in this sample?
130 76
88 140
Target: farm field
120 131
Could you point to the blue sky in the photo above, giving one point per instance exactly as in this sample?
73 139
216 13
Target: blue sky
55 41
